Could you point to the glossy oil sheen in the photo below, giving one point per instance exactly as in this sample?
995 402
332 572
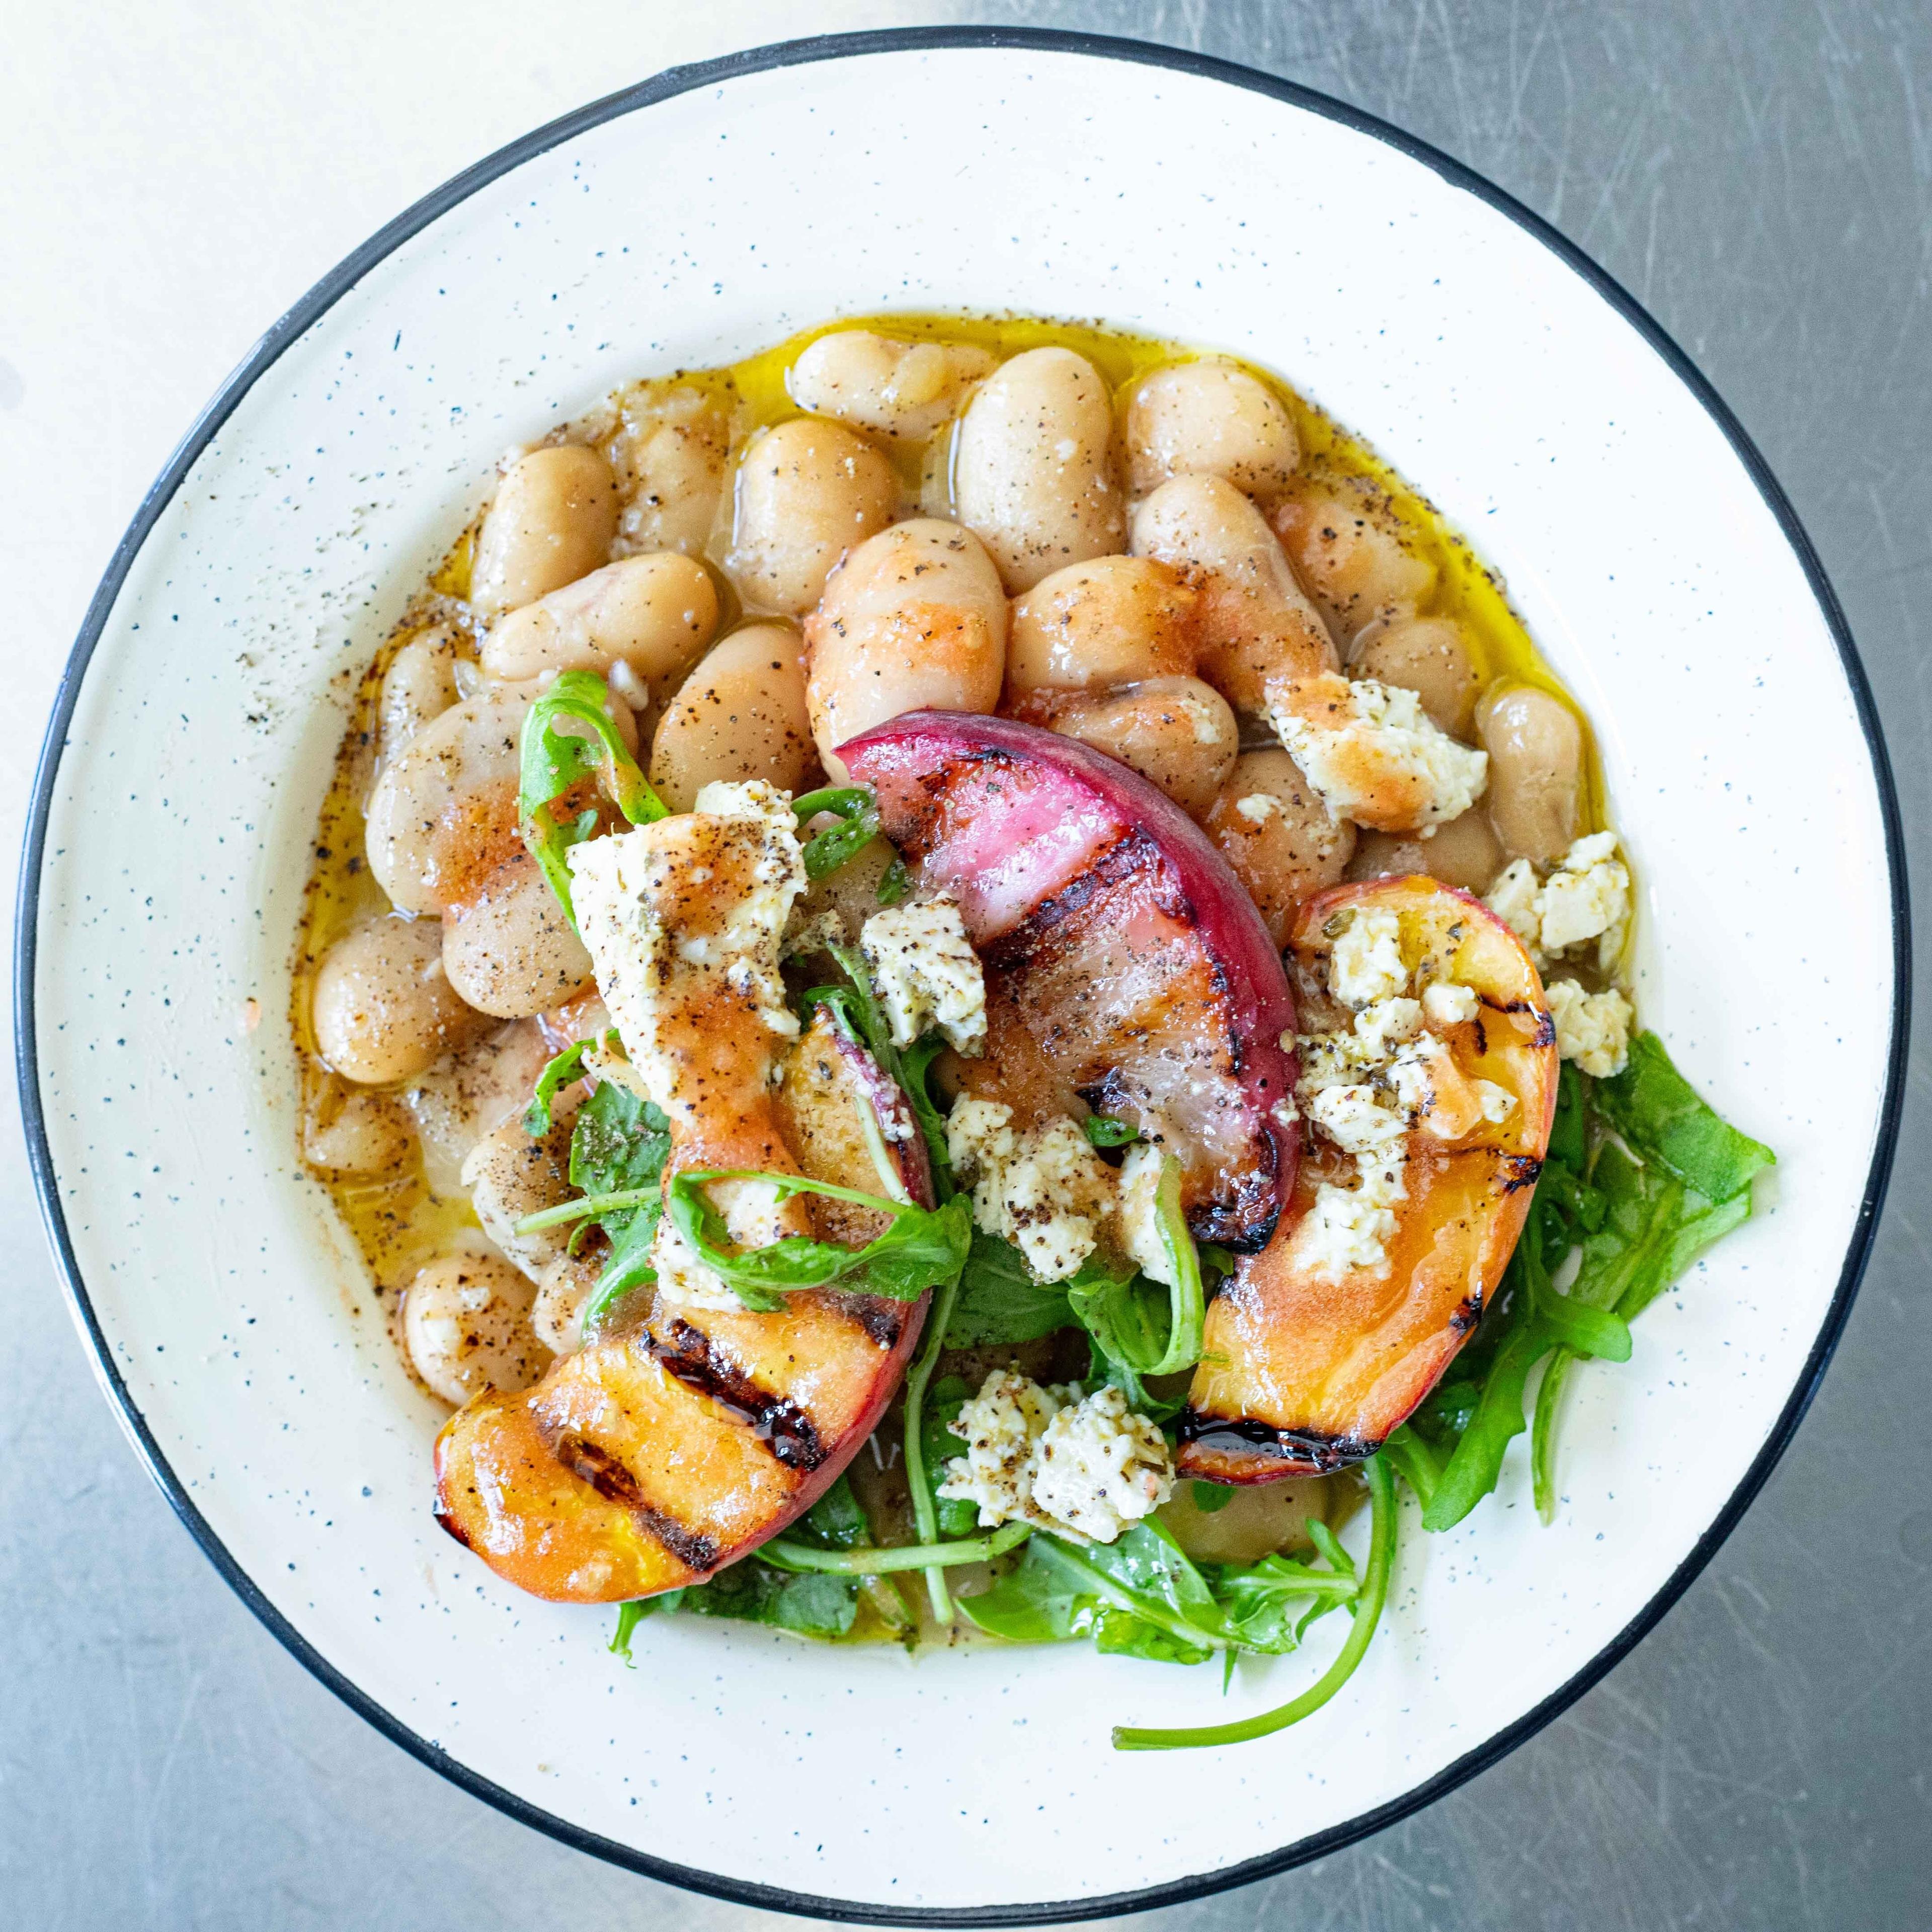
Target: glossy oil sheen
398 1224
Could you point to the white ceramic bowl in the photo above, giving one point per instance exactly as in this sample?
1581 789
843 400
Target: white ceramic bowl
702 215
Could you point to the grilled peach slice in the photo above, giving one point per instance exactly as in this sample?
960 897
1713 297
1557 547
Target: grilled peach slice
682 1439
1120 953
1303 1371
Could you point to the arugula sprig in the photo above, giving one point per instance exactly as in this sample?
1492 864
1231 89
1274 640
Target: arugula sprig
1641 1176
618 1149
1141 1596
1365 1607
923 1248
553 761
558 1073
827 851
1126 1318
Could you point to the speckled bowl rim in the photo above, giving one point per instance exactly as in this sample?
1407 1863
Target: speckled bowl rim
330 290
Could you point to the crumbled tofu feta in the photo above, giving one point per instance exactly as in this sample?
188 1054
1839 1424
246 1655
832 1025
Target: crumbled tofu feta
1444 1005
1349 1228
1385 1025
1355 1120
1592 1029
1046 1191
1057 1192
1140 1213
682 1278
1385 745
1101 1467
1085 1467
813 935
1365 964
1258 807
1586 896
927 974
1002 1426
1332 1060
683 919
979 1137
1516 898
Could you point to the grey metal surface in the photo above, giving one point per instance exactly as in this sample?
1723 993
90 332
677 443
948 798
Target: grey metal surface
1759 173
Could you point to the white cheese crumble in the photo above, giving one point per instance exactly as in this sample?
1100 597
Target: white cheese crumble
813 935
1592 1029
1348 1229
927 974
667 945
1515 897
683 919
1586 896
1258 807
1387 1023
1365 963
1384 758
1046 1191
1084 1466
1444 1004
682 1278
1140 1213
1355 1120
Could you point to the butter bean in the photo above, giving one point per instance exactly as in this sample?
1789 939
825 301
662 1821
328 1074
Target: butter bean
1032 471
1351 553
509 1175
808 492
1465 853
419 686
466 1323
351 1131
916 618
1277 836
1428 655
741 714
670 453
1111 620
1536 770
652 614
902 390
383 1008
509 950
1208 418
554 516
455 781
1176 732
1256 627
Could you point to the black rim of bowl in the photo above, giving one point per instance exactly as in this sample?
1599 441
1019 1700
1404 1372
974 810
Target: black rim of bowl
680 80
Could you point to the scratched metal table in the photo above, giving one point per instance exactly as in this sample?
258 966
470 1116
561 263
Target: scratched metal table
1759 172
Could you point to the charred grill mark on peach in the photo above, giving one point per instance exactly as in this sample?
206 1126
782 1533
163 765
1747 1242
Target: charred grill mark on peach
1545 1025
690 1354
883 1321
1114 935
1242 1439
1522 1170
615 1483
1128 856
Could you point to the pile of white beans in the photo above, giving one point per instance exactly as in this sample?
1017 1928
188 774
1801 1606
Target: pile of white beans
933 525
